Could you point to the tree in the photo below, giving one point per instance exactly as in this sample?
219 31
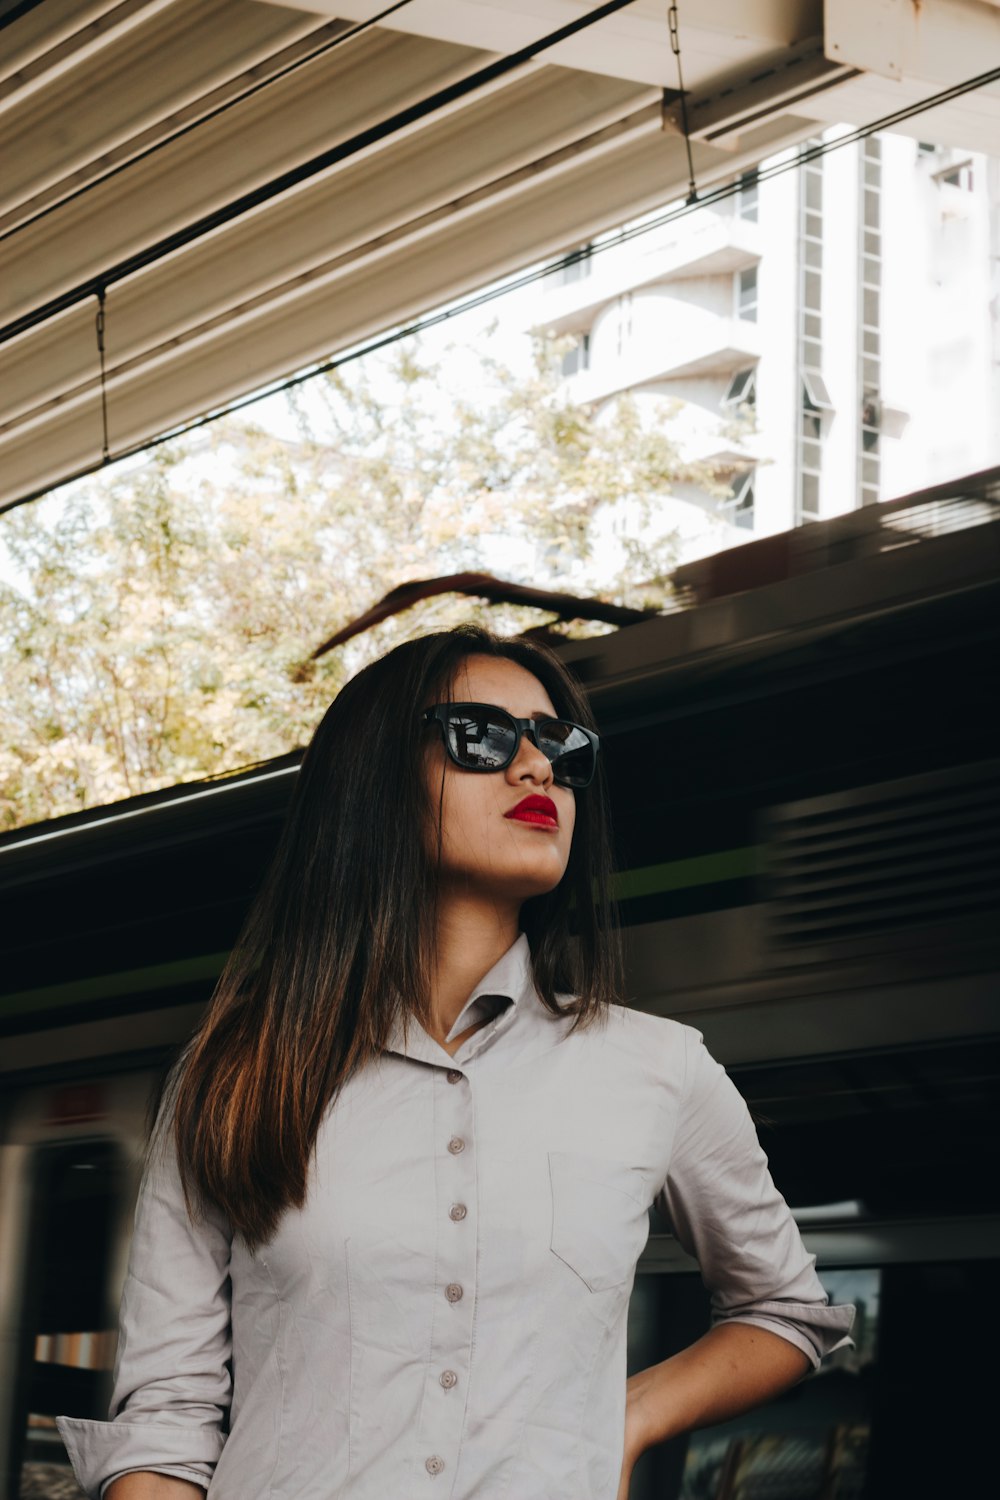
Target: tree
164 610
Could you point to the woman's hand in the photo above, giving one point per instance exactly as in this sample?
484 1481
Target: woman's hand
727 1371
637 1436
625 1481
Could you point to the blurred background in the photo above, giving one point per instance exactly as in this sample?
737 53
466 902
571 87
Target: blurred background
668 333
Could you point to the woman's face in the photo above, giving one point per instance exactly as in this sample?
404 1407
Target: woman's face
483 850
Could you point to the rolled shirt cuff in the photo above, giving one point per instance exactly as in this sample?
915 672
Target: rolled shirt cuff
101 1451
812 1327
175 1471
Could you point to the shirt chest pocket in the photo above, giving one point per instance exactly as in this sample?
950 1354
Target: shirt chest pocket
600 1217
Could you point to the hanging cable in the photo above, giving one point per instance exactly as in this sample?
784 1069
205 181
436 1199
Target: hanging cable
101 300
673 22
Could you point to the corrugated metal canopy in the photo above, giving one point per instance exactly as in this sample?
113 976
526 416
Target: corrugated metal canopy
124 124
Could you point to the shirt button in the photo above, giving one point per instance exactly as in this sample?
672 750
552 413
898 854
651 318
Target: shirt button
434 1464
458 1211
454 1076
456 1144
448 1379
453 1292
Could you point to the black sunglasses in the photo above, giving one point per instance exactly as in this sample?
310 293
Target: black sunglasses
482 737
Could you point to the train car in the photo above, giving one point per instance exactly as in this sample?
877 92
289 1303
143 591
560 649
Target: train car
806 803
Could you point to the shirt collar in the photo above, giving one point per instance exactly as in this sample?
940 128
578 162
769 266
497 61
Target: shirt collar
506 992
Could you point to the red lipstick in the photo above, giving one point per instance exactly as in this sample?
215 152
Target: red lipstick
540 810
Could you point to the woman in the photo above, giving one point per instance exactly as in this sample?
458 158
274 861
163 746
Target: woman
389 1222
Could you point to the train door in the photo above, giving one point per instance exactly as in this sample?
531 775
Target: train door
66 1318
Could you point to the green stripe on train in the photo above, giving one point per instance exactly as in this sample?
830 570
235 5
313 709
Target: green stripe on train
652 880
678 874
125 982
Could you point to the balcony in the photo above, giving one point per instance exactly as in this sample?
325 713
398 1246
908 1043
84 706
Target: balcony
682 341
706 244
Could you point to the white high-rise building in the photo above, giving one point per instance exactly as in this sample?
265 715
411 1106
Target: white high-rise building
850 308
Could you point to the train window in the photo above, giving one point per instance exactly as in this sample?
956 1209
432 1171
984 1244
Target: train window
812 1442
897 1154
68 1331
902 1413
909 1132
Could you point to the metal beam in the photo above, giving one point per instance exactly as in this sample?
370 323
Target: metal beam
294 177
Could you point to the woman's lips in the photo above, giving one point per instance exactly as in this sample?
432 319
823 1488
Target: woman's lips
540 810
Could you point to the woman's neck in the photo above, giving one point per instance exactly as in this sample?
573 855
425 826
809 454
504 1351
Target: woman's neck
471 937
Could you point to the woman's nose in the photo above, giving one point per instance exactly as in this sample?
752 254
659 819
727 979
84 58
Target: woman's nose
529 760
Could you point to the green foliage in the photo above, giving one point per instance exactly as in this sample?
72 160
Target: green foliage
164 612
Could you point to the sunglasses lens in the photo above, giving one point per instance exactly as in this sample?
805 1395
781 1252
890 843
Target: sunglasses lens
479 739
569 750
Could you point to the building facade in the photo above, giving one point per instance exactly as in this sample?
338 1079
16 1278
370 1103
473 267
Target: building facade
828 337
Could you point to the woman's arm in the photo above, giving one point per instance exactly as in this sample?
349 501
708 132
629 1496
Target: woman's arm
732 1368
166 1426
144 1485
771 1319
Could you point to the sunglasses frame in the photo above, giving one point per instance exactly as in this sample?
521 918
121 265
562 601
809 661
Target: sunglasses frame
439 713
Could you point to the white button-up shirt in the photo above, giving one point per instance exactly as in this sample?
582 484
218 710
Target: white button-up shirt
445 1317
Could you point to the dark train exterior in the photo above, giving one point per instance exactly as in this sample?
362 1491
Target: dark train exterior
806 798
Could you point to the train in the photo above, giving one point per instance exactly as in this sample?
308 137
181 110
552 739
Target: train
805 792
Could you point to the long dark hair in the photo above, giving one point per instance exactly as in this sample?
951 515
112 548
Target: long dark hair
338 941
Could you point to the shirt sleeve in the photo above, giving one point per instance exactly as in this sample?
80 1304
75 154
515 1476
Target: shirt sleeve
726 1211
172 1376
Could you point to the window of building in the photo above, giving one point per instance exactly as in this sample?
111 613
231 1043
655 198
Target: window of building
624 321
814 398
870 321
746 294
739 507
871 424
809 497
748 197
960 176
577 358
814 186
742 389
578 266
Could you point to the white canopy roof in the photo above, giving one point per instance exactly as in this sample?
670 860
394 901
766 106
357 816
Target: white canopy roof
129 130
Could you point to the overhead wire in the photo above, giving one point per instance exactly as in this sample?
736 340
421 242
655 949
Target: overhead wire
17 10
330 45
372 135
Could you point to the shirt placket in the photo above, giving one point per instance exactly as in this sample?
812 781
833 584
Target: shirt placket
450 1357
